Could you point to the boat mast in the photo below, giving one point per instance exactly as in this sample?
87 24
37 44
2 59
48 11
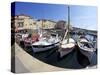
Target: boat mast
42 23
67 29
68 23
42 27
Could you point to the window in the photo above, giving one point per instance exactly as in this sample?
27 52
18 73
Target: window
20 24
34 23
21 19
30 24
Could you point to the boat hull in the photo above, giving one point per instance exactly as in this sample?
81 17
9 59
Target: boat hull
40 48
66 48
65 51
87 54
27 44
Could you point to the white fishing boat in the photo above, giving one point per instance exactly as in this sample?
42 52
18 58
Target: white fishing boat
45 44
86 48
66 48
67 44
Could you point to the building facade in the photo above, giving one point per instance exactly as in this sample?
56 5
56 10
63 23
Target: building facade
23 22
26 22
46 24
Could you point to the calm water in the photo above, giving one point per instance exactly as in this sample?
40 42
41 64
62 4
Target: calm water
74 60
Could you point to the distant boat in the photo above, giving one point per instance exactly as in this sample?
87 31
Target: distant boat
30 39
67 44
20 35
86 47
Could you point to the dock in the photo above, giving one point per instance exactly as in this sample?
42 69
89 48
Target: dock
25 63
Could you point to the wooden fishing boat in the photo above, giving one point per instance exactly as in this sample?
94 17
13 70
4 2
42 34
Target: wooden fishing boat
45 44
45 41
66 48
86 47
67 44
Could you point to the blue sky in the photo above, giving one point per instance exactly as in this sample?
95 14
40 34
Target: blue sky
84 17
80 16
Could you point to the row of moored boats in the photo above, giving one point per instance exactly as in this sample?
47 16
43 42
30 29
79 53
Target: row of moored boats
41 42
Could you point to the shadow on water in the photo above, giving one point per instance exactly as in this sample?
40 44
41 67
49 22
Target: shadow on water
74 60
82 59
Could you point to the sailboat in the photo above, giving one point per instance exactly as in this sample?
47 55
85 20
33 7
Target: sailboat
86 47
45 43
67 44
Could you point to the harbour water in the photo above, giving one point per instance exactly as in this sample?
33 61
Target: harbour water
74 60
